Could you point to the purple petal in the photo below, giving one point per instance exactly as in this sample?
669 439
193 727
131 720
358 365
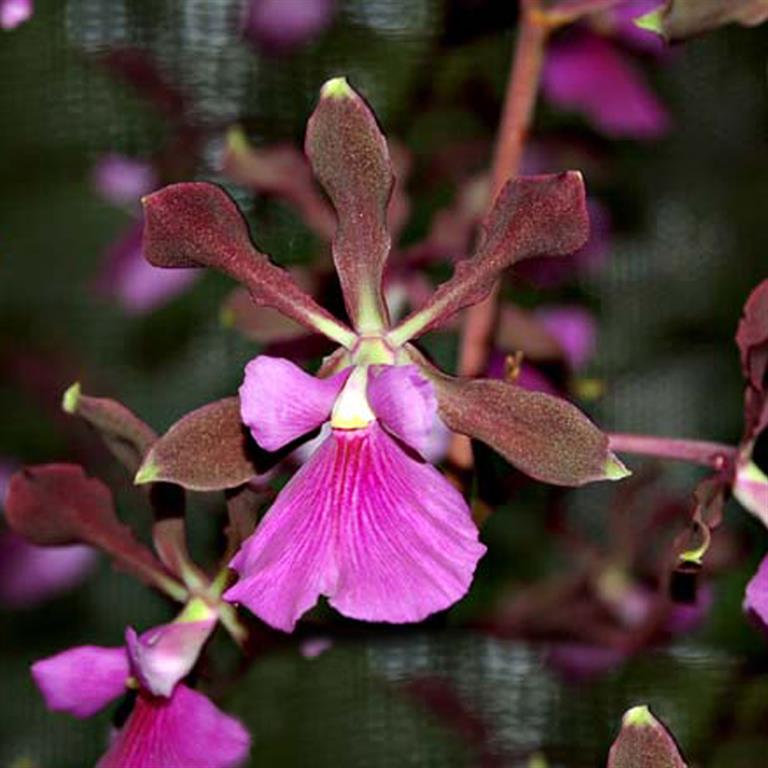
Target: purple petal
751 490
589 75
15 12
756 597
185 731
122 180
164 655
30 575
137 285
280 402
386 537
404 400
581 662
278 26
574 328
83 680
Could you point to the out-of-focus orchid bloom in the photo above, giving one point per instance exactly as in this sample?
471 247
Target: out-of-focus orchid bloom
281 26
586 73
367 521
122 180
30 575
15 12
170 724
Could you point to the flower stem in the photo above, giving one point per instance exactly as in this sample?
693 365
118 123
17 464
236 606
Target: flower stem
516 118
707 454
570 11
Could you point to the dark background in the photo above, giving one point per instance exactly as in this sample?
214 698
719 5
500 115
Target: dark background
690 242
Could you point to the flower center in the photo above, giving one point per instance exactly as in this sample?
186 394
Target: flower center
351 409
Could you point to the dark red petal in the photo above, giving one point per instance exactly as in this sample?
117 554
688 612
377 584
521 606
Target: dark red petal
209 449
532 216
124 433
350 158
644 742
544 436
752 337
198 224
57 504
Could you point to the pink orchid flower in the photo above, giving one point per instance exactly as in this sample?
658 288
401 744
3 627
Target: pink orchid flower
367 521
170 724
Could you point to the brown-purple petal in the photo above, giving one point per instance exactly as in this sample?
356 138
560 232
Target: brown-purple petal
544 436
644 742
532 216
58 504
350 158
752 337
198 224
681 19
125 434
209 449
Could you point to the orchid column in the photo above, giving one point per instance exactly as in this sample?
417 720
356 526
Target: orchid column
367 522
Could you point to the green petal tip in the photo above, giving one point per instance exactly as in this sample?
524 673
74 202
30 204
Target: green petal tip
639 717
337 88
652 22
148 472
71 398
615 469
237 141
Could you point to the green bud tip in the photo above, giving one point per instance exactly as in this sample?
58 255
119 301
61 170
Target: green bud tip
237 141
71 398
195 610
652 22
148 472
337 88
639 717
615 469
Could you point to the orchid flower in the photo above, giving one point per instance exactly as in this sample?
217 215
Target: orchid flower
15 12
170 724
367 521
281 26
589 73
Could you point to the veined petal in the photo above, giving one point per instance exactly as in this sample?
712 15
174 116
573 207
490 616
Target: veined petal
404 400
350 158
185 731
280 402
382 534
81 681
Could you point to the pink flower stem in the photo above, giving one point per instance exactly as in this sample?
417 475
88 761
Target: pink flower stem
516 118
707 454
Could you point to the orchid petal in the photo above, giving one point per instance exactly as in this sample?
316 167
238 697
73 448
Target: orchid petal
185 731
209 449
588 74
756 596
404 400
644 742
350 158
81 681
198 224
532 216
164 655
57 504
544 436
279 402
752 338
751 490
385 536
681 19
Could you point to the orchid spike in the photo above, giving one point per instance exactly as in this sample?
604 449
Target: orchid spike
367 521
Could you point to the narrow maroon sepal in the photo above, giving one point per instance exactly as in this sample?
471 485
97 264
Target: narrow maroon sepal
682 19
350 158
